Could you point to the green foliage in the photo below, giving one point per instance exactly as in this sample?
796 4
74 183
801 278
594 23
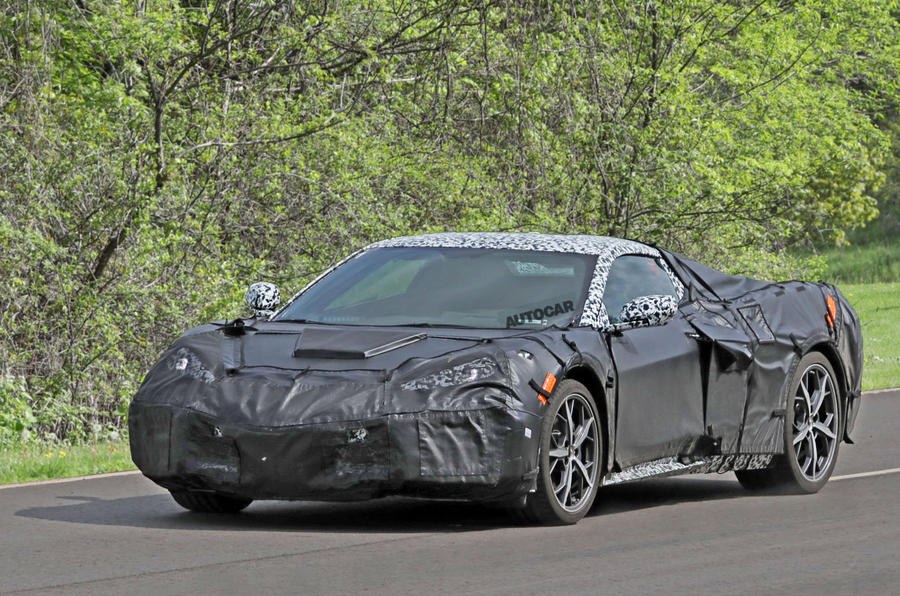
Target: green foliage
156 157
870 254
878 309
16 417
885 229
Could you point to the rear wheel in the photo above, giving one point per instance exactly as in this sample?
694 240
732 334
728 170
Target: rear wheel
812 431
570 457
209 502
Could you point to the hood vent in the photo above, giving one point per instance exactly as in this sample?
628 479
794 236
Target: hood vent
351 344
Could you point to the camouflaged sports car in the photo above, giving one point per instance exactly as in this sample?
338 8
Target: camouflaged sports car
524 369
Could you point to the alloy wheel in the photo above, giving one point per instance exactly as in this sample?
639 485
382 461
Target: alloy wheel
573 454
815 430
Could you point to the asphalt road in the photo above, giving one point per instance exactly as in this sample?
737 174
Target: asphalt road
688 535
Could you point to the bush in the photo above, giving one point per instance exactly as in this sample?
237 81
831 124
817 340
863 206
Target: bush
17 420
155 158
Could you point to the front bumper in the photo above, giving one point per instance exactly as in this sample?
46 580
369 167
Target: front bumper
459 454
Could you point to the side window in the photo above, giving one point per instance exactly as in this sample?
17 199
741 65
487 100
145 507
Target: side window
633 276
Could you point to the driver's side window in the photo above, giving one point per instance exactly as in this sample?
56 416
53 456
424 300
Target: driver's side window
633 276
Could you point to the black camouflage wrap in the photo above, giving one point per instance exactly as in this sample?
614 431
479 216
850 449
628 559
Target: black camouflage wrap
267 409
757 332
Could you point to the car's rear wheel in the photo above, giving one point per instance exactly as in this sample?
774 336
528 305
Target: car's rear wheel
812 432
570 457
202 502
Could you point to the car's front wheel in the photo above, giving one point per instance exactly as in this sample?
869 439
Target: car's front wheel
570 457
203 502
812 432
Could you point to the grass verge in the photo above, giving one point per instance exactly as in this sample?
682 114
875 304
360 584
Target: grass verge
878 307
40 462
876 262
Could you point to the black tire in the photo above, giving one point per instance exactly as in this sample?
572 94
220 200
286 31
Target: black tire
553 503
802 469
758 480
209 502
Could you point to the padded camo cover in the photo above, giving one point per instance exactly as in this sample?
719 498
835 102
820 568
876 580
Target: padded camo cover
268 409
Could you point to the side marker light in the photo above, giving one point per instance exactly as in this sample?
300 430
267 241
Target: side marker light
831 313
549 384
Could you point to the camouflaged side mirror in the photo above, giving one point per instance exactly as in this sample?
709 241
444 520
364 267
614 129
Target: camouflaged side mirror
646 311
263 298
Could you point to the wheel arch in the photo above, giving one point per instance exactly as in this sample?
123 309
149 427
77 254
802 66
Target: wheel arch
590 379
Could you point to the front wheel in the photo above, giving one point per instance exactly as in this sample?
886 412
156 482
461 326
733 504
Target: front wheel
570 457
812 432
202 502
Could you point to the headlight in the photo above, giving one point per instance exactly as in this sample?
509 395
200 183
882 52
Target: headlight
186 362
453 376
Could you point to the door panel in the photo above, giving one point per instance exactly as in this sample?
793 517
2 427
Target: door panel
725 338
660 392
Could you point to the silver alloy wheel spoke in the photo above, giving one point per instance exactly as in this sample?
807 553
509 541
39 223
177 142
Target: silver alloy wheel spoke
564 436
582 433
567 485
818 396
553 466
585 474
559 452
806 394
824 428
567 471
813 456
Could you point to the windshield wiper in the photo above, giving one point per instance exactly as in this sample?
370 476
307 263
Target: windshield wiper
434 325
298 321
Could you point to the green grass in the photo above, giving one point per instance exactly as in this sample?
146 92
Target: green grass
878 307
875 262
39 462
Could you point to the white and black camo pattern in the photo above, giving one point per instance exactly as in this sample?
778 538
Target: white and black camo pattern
186 362
453 376
647 311
669 466
263 298
729 463
605 248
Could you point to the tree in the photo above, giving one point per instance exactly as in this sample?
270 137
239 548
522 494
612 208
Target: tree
155 157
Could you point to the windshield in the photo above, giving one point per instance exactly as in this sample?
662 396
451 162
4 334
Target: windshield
459 287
